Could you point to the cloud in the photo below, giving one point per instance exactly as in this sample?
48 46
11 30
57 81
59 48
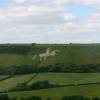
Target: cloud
88 2
69 17
61 2
47 21
20 1
31 22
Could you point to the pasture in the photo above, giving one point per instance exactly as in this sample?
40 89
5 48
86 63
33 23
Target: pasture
72 54
5 85
54 78
57 93
67 78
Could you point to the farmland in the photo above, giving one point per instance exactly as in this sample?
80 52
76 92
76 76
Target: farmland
74 70
56 78
57 93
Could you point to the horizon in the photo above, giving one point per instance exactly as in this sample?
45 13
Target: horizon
46 43
49 21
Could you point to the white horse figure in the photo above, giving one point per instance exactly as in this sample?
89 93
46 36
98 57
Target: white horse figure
53 53
43 56
47 54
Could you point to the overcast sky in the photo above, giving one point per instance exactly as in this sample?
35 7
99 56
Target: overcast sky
49 21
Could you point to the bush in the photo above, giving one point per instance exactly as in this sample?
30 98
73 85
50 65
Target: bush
69 68
42 85
4 97
48 99
20 87
34 86
75 98
96 98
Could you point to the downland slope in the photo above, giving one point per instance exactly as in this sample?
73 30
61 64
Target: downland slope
14 58
21 54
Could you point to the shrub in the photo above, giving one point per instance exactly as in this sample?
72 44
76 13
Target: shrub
75 98
4 97
96 98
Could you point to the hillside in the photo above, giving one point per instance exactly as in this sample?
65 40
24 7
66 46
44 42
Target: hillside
26 58
50 70
68 53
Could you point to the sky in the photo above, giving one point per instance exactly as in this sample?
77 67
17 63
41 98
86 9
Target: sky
49 21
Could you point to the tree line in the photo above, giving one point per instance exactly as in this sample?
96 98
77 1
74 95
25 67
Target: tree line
15 49
67 68
76 97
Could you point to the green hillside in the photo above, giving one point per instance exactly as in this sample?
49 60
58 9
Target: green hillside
69 53
18 58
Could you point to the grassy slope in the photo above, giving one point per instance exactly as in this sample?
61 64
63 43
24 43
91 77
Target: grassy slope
72 53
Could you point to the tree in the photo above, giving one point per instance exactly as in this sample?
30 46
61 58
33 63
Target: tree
96 98
4 97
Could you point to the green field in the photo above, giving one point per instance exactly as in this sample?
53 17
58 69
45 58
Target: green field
74 54
59 78
56 78
57 93
68 78
11 82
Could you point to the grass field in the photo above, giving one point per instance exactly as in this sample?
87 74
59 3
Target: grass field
11 82
54 78
68 78
57 93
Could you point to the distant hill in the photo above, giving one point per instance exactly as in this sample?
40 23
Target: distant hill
21 54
